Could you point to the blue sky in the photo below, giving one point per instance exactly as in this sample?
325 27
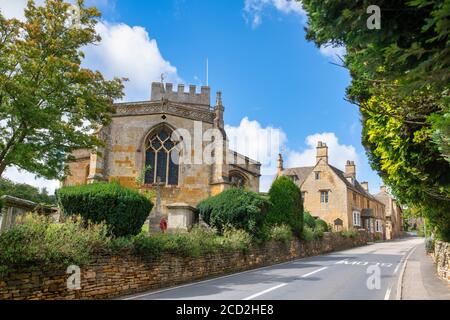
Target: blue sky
270 76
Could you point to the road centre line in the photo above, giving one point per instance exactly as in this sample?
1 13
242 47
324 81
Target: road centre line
314 272
388 294
256 295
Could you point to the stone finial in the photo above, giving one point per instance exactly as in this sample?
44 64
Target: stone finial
383 189
219 98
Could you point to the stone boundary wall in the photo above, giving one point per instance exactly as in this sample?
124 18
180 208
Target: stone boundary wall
113 276
442 259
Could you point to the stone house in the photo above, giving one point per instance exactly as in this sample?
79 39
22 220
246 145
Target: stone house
165 141
394 214
337 197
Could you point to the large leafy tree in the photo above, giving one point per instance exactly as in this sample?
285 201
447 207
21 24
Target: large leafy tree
49 104
25 191
400 81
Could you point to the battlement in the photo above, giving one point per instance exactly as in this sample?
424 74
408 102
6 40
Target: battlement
160 91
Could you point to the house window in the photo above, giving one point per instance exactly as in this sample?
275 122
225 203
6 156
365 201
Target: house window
324 196
159 159
303 196
354 197
317 175
357 218
378 226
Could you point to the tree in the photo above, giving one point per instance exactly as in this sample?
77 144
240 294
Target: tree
49 104
25 191
286 204
400 82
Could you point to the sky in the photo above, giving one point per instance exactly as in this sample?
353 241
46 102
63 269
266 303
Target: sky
274 82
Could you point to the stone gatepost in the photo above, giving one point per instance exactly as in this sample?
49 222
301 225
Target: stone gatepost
182 217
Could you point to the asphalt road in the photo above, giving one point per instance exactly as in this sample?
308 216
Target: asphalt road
365 273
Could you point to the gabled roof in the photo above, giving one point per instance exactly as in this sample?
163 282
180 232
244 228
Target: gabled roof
299 173
302 173
356 186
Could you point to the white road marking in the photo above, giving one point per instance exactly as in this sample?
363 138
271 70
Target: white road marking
314 272
388 294
265 291
398 267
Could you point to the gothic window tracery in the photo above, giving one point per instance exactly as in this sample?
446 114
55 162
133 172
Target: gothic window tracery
159 158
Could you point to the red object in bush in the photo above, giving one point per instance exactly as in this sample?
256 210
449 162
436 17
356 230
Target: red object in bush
163 224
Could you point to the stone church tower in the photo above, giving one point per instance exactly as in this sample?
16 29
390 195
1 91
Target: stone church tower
145 138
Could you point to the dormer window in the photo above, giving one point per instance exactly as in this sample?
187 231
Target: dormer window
317 175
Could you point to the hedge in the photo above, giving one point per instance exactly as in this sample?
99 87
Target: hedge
236 207
286 205
122 209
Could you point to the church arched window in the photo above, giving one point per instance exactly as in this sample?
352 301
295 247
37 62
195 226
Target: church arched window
237 180
159 158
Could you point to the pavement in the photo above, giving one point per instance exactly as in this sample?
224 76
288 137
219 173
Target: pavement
372 272
420 280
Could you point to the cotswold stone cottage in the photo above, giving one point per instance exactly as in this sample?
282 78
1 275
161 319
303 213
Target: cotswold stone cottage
394 214
336 196
153 134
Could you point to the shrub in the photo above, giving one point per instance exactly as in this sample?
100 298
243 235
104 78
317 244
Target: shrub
236 239
123 210
352 233
286 204
307 234
282 233
321 225
36 240
309 220
199 241
238 208
318 233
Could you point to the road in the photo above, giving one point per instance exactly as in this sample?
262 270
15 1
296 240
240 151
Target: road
365 273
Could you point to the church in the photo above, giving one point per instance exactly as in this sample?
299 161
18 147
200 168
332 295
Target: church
164 145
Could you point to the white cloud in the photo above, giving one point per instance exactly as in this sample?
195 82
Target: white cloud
124 51
129 52
333 52
338 153
254 9
265 143
259 143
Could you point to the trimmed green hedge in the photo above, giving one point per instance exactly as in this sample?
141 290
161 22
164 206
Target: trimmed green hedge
122 209
286 205
236 207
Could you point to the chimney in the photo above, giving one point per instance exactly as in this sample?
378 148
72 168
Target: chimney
365 186
383 189
350 170
322 152
280 165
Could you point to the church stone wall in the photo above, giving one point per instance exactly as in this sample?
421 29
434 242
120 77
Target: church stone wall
126 157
